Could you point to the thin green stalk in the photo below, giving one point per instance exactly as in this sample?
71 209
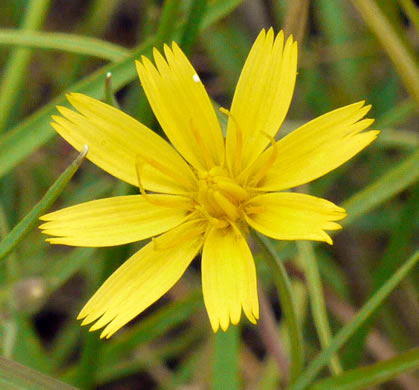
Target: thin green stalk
168 21
318 305
19 59
397 114
226 360
167 27
288 305
18 377
375 374
109 95
390 184
71 43
193 22
404 62
11 274
347 331
31 219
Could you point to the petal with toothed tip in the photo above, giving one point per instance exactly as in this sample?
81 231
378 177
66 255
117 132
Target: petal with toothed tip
228 278
143 279
315 148
116 140
115 221
262 98
182 107
293 216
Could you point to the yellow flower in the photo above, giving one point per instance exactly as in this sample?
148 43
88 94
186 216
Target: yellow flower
206 190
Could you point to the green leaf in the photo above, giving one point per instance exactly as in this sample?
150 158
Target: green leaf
31 219
400 55
389 185
361 378
70 43
14 376
15 70
287 300
191 31
360 318
226 360
318 306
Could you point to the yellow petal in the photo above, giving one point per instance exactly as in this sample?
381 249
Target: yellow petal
116 142
262 98
293 216
228 278
182 106
142 279
114 221
316 148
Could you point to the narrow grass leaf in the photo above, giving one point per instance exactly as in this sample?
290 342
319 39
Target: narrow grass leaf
191 30
15 70
31 219
361 317
15 376
71 43
225 368
318 306
287 300
389 185
395 47
375 374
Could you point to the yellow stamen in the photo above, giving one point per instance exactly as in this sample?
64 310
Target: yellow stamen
178 201
239 140
230 187
165 170
229 208
262 170
204 150
213 221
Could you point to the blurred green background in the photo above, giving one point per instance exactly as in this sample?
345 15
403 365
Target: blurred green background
348 51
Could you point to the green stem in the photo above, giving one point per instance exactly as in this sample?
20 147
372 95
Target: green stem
403 60
318 305
168 22
347 331
71 43
288 305
191 30
31 219
19 59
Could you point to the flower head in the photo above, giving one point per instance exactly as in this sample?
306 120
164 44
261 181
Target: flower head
202 192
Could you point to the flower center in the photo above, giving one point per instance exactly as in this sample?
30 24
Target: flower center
219 196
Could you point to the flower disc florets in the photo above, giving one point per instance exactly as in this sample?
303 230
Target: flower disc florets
220 197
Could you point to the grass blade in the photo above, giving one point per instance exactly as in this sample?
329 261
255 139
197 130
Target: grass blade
318 305
361 317
15 376
375 374
71 43
288 305
15 70
31 219
393 182
403 61
226 365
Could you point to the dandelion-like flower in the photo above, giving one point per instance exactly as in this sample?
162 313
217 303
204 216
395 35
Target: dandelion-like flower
202 193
